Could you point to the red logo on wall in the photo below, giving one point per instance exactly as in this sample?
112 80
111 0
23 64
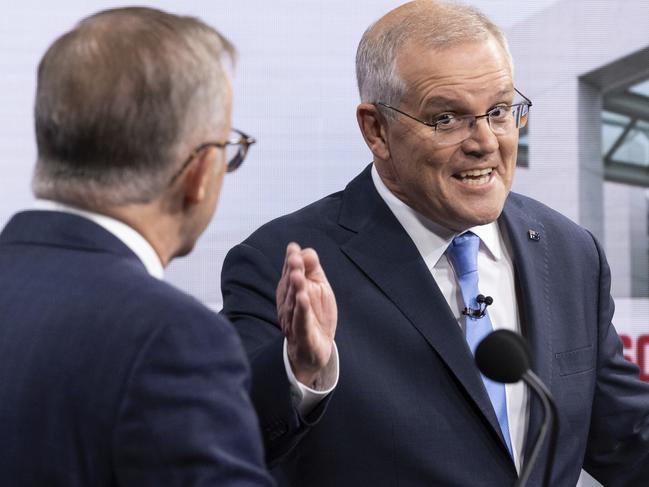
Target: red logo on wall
640 348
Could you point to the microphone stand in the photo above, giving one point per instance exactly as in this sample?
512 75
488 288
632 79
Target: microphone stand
550 422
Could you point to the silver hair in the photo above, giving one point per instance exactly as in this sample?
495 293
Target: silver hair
432 23
117 100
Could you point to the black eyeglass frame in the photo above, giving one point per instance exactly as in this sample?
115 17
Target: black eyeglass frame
244 142
526 101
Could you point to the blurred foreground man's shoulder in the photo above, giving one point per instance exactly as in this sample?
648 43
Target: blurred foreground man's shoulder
108 375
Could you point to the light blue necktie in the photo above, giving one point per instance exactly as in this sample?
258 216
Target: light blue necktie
463 254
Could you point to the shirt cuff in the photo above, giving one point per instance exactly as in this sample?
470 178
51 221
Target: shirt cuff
305 399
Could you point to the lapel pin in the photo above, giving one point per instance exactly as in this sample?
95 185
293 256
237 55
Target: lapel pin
534 235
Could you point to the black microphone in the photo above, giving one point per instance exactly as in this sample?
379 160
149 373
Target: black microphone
503 356
483 301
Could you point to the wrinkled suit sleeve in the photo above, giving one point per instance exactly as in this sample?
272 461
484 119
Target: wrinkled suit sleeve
618 442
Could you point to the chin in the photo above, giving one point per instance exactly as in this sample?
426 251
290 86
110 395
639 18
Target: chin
482 216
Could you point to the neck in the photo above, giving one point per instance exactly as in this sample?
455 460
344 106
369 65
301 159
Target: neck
158 228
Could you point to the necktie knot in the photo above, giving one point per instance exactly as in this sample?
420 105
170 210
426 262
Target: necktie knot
463 253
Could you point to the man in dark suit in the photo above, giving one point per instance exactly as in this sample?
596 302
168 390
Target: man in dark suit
406 247
108 375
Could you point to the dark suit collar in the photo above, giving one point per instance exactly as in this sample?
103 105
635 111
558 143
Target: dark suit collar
360 200
385 253
531 260
529 242
54 228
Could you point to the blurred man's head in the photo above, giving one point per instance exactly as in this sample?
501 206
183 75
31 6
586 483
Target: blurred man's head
422 69
122 101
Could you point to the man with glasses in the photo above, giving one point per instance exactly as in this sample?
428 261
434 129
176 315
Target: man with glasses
108 375
427 252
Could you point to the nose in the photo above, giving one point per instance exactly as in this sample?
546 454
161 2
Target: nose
481 139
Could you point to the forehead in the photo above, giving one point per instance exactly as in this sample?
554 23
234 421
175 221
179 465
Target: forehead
465 70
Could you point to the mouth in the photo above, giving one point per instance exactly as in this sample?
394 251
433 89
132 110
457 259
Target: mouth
475 177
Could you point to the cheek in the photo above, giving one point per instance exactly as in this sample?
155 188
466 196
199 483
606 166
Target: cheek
509 151
419 165
438 167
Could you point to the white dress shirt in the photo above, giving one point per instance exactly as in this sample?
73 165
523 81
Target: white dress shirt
127 235
307 398
496 271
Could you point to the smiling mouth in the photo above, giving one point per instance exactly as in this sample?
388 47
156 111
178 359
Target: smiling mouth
475 177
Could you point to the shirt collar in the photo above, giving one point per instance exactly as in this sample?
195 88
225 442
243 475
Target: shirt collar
430 238
127 235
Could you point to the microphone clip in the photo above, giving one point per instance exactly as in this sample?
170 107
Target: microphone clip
483 301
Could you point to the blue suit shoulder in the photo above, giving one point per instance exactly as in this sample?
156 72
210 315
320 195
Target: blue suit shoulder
561 228
306 226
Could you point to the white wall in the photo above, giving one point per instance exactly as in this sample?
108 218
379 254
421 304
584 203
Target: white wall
294 90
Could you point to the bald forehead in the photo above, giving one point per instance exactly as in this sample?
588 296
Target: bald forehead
434 14
414 44
434 23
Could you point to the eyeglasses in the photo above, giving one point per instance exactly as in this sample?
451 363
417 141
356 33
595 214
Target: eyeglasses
450 129
236 148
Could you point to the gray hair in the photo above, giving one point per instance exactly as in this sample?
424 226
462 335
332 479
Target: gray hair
432 23
116 100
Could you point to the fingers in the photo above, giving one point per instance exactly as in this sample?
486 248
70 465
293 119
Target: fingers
290 283
300 315
291 249
312 267
303 275
290 262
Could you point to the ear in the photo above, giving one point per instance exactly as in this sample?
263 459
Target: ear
197 177
373 127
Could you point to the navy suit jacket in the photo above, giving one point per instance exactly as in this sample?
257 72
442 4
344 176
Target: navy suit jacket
109 376
410 408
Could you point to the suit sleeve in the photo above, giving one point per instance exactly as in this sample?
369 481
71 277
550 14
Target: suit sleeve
186 418
618 442
248 283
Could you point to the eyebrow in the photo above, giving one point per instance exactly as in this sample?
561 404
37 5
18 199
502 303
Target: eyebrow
443 102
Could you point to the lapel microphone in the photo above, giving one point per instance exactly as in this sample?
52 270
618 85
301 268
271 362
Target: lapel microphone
483 301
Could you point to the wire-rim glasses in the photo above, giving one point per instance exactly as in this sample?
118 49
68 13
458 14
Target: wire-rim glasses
452 129
241 139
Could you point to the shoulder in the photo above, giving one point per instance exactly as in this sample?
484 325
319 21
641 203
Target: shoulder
169 330
314 217
559 232
173 304
146 305
549 219
320 223
309 226
536 209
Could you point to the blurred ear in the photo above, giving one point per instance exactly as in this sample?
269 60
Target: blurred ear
372 124
197 177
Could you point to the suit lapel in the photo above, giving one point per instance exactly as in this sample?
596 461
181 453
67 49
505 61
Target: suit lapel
385 253
529 243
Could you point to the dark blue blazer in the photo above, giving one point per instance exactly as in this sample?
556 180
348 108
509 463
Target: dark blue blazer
410 408
110 377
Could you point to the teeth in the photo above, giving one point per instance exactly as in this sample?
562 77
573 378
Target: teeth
476 172
477 182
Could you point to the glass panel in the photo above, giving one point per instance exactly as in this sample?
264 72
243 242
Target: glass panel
635 148
640 88
614 118
613 125
523 148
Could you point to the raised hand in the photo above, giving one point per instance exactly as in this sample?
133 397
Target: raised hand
307 313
